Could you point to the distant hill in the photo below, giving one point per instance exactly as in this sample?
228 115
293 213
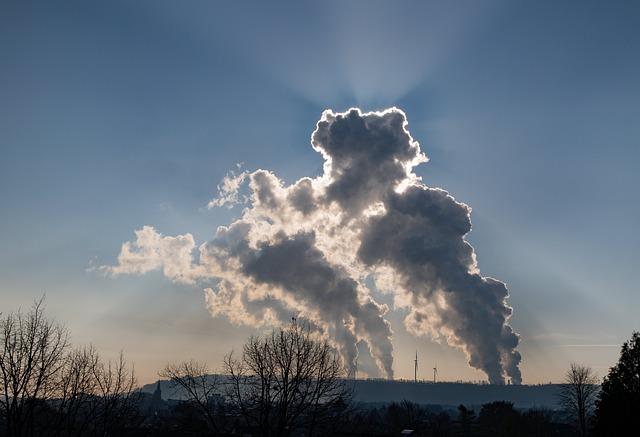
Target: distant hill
441 393
455 393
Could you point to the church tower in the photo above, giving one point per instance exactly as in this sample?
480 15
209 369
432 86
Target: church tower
157 395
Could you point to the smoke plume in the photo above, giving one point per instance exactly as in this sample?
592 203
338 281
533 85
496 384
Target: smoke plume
305 250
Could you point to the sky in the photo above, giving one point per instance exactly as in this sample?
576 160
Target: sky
118 115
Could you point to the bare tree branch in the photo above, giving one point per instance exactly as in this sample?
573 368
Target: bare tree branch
578 395
201 388
32 354
285 381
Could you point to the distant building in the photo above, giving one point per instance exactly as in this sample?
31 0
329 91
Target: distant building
157 395
157 403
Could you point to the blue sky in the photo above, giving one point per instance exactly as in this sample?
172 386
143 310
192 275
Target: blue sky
114 115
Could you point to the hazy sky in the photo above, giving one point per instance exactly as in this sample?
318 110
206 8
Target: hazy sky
115 115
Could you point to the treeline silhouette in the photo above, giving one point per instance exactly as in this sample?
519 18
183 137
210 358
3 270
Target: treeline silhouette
287 383
493 419
49 388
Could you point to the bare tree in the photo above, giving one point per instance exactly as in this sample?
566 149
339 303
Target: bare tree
286 381
116 396
32 353
578 395
201 389
74 403
92 397
48 389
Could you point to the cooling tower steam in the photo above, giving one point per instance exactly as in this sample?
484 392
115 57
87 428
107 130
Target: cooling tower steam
307 248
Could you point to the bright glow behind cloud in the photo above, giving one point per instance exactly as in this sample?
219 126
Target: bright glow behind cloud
305 249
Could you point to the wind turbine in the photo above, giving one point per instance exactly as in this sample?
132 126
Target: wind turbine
435 373
355 370
415 369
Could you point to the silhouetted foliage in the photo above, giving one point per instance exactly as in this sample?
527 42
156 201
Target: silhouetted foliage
466 419
203 392
287 381
578 396
498 419
49 389
32 355
618 404
405 415
540 423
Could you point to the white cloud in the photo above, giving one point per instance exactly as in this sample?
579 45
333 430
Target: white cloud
228 190
304 250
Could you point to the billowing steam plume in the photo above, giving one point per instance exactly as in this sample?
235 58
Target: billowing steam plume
305 249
